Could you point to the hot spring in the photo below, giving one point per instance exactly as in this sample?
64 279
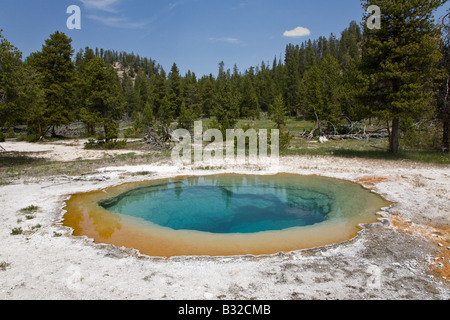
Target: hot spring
223 215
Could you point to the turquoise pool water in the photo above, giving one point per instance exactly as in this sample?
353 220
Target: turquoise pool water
225 204
224 215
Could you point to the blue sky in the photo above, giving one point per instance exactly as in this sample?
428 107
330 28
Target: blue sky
196 34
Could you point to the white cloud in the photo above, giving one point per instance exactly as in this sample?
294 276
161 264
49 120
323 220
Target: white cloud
175 4
102 5
118 22
297 32
111 16
229 40
240 6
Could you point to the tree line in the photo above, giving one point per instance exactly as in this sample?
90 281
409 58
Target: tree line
398 74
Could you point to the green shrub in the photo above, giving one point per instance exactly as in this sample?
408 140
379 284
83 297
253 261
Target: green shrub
16 231
118 144
105 145
2 136
422 136
4 265
285 140
11 134
31 138
29 209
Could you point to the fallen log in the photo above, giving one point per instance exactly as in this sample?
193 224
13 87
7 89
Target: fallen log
155 142
358 136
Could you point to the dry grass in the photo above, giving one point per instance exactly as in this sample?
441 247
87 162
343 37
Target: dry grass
16 166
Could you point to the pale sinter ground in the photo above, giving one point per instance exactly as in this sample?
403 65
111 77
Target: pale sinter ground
405 256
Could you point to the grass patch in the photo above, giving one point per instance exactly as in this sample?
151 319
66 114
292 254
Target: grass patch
373 149
16 231
141 173
434 157
11 160
12 171
4 265
405 155
22 166
105 145
30 209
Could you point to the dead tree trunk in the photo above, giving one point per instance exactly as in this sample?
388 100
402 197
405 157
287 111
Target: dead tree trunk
318 123
446 106
446 119
156 142
357 136
394 140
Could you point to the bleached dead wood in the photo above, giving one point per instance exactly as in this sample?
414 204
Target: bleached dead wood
156 142
361 136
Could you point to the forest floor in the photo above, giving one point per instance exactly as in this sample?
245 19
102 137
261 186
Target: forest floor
404 256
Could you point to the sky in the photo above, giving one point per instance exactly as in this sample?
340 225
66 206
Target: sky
195 34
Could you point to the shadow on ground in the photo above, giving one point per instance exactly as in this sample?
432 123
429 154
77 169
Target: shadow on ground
13 159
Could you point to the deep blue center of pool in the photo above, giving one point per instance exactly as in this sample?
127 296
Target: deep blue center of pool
221 205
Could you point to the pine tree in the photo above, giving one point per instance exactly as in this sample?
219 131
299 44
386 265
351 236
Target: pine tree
56 69
81 91
333 45
207 95
349 44
165 117
186 118
266 89
104 100
278 112
159 91
330 111
226 109
312 93
130 95
20 95
11 72
222 74
249 106
175 94
83 57
141 91
292 79
352 91
148 117
401 60
191 95
310 56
